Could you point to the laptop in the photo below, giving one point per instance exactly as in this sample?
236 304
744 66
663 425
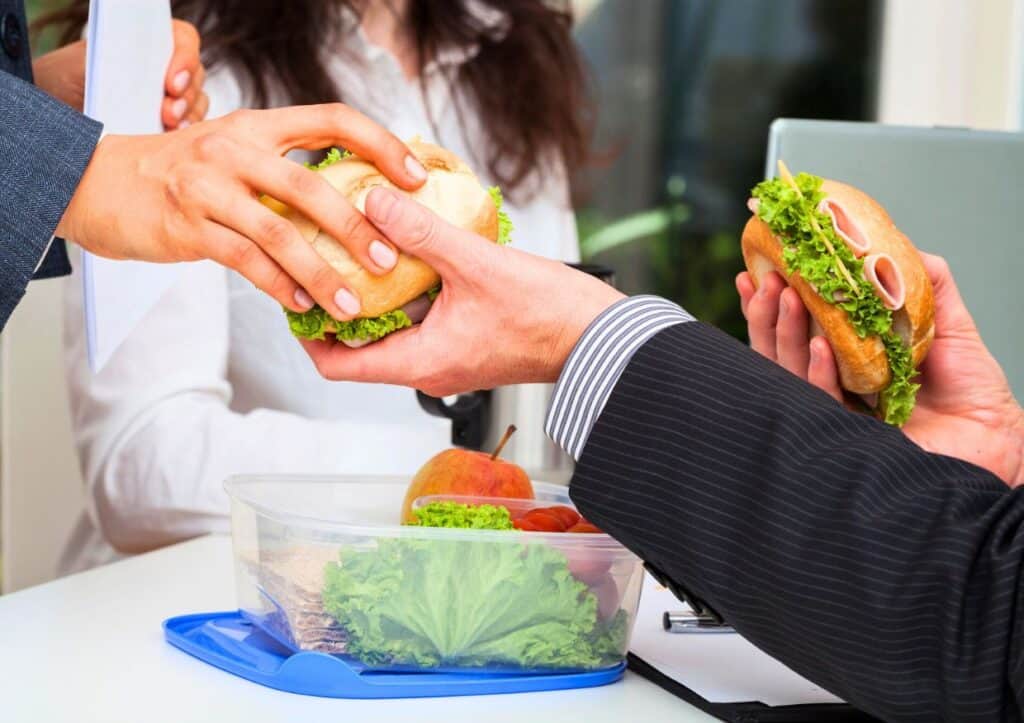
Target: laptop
954 192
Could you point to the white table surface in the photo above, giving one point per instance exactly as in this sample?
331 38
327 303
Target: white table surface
90 648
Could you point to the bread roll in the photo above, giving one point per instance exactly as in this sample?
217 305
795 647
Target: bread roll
451 190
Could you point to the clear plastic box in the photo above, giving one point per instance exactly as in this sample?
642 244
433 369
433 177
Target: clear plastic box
323 564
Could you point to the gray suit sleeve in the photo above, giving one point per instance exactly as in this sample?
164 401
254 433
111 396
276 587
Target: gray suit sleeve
44 149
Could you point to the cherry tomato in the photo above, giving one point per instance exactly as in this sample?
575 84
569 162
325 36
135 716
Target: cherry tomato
545 521
584 526
567 515
527 525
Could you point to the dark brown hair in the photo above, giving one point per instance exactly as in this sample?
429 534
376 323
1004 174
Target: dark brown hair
527 86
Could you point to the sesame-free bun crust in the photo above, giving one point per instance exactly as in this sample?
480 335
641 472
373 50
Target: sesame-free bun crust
452 191
863 365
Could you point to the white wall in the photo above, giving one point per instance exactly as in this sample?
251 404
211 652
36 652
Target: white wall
40 486
952 62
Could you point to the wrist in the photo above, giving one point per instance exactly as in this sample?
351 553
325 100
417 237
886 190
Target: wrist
71 226
594 300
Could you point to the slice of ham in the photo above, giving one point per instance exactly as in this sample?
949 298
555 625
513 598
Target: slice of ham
885 276
846 226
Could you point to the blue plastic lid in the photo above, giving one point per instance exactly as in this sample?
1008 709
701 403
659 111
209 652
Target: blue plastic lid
230 642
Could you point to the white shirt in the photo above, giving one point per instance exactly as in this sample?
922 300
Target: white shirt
212 384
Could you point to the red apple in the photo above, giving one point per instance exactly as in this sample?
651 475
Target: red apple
466 472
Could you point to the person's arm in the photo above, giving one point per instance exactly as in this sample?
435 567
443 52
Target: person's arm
45 147
888 575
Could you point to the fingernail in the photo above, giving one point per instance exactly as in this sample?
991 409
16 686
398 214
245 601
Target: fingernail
783 308
304 300
347 302
179 107
815 353
383 255
184 124
181 80
415 168
379 205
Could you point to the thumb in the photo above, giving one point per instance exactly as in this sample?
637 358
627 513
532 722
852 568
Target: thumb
421 233
951 314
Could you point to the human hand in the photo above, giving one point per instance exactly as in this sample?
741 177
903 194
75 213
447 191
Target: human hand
61 73
503 316
965 407
193 194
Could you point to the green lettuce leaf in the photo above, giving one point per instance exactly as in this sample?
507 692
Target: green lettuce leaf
456 514
333 156
317 323
788 214
430 603
504 222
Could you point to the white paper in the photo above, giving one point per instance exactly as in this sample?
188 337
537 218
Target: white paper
720 667
129 44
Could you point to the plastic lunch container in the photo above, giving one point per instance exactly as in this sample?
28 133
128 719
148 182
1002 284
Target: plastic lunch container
322 564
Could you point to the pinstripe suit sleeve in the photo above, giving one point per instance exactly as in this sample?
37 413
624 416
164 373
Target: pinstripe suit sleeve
888 575
44 149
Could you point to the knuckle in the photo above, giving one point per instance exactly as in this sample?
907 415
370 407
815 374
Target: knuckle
279 285
243 118
241 255
338 114
275 232
351 225
324 278
305 182
211 146
422 227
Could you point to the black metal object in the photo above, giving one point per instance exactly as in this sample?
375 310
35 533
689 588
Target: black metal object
470 414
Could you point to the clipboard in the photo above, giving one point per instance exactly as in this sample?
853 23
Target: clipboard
724 675
128 46
750 711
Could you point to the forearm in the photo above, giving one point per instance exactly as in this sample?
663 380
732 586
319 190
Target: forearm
45 147
887 575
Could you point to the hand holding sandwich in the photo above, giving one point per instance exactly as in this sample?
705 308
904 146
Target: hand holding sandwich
965 407
192 194
502 316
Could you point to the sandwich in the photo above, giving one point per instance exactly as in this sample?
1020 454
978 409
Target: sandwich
403 296
863 283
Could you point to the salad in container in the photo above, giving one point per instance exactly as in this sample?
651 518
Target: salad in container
470 582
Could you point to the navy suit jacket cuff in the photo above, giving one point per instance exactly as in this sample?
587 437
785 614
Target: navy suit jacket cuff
45 147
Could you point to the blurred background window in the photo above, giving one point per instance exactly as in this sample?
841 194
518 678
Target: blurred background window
686 91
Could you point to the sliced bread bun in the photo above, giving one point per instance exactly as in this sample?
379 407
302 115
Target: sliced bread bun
451 190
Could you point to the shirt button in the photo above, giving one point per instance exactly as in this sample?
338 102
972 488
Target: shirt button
11 36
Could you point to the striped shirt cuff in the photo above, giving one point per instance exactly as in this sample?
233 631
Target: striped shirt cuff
597 362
